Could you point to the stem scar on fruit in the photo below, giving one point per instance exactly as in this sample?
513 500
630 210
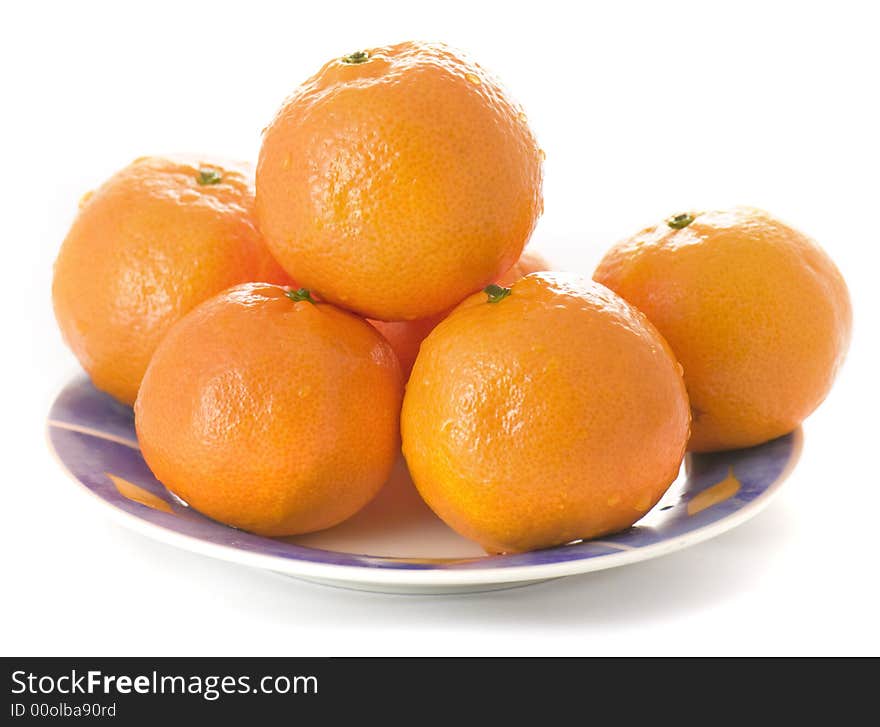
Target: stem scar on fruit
356 58
496 292
680 221
300 294
209 176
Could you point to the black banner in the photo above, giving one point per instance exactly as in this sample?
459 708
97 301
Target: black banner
245 690
136 690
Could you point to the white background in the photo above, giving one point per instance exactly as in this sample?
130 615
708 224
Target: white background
643 109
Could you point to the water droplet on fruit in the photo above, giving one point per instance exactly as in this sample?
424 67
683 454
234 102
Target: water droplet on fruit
86 197
473 78
522 116
304 391
286 163
542 154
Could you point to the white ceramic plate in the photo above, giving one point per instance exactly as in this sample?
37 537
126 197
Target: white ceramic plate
396 544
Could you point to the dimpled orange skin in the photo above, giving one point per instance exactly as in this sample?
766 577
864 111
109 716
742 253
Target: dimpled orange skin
529 262
379 176
405 337
145 248
555 414
274 416
757 313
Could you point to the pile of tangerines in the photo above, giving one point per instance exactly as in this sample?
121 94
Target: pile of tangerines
279 337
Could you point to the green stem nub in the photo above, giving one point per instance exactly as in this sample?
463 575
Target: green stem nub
209 176
496 292
356 58
300 294
680 221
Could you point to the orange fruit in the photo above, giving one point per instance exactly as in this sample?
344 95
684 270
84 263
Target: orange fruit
405 337
529 262
274 415
156 239
756 312
550 414
398 180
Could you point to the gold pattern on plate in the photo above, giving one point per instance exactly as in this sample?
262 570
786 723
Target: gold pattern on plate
139 494
719 492
97 433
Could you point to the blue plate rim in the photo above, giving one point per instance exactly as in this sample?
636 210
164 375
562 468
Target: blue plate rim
437 576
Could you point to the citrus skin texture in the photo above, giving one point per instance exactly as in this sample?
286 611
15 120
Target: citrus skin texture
554 414
529 262
406 337
156 239
398 181
756 312
274 416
